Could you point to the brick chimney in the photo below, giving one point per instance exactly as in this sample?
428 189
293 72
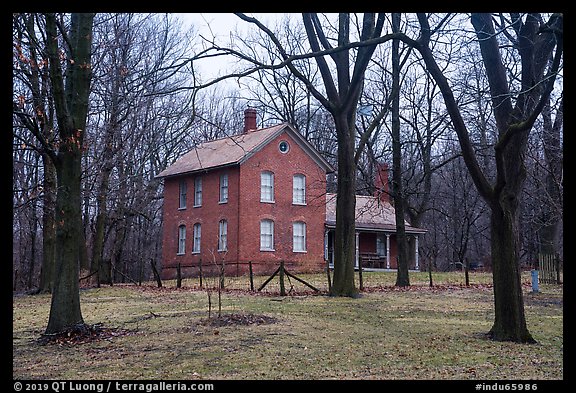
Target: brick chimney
381 182
249 119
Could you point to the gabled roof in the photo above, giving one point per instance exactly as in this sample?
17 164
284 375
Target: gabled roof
237 149
371 214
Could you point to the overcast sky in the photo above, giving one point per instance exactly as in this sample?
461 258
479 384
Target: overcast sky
220 25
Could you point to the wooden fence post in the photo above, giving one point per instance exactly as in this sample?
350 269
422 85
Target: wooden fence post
328 274
251 276
557 264
283 272
268 280
200 271
361 280
282 288
156 275
178 276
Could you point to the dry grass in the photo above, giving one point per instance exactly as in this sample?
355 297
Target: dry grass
422 333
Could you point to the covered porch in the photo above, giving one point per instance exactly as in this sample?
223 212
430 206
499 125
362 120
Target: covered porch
374 248
376 245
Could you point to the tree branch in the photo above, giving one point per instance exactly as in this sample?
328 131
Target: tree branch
468 153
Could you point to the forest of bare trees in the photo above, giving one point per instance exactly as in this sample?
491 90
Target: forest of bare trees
149 104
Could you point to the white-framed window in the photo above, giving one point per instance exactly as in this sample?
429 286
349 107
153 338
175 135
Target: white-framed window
223 188
266 235
197 237
299 189
182 200
223 235
381 245
181 239
267 186
197 191
299 236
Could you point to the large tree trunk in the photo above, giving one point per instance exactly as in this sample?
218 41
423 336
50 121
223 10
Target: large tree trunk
402 278
65 307
48 226
71 104
345 234
514 124
509 320
402 275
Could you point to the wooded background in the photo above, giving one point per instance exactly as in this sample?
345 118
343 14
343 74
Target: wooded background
144 114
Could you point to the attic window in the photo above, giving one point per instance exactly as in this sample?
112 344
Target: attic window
283 147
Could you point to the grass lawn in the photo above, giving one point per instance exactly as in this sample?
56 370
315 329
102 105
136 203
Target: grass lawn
387 333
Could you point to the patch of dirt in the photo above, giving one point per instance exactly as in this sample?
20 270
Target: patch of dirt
82 334
239 319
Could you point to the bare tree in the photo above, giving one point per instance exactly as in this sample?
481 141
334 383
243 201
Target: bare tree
70 93
278 94
115 100
552 144
342 88
137 123
402 277
539 46
36 114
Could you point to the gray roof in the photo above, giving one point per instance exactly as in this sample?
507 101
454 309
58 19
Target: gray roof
236 150
371 214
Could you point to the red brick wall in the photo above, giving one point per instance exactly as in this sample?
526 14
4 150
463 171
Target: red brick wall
381 182
367 242
282 212
244 212
208 215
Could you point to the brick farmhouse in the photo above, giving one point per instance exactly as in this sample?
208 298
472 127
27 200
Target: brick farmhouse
260 197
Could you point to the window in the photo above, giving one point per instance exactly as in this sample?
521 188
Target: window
267 187
183 187
266 235
197 237
223 235
299 190
299 236
224 188
380 245
284 147
181 239
198 191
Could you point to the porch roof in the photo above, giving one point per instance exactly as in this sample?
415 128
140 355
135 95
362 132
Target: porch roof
372 215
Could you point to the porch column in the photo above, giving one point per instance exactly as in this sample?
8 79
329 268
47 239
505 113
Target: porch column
416 253
357 249
387 251
325 244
